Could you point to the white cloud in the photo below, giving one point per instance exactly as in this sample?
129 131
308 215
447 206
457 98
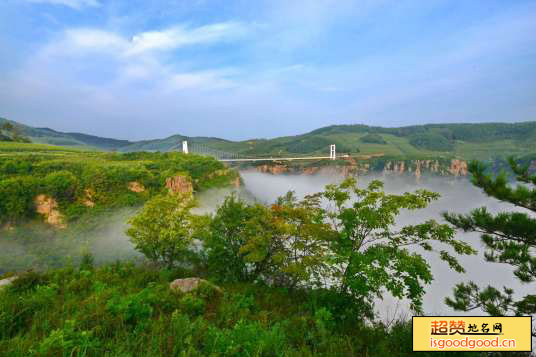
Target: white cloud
139 60
94 39
206 80
79 40
75 4
179 36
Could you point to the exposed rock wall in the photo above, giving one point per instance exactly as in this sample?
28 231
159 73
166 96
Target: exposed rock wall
8 281
417 168
179 184
135 186
458 167
48 207
276 169
89 195
236 183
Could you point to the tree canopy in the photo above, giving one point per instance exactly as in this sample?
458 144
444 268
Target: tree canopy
509 238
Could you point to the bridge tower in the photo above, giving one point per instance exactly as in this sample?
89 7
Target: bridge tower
332 152
185 147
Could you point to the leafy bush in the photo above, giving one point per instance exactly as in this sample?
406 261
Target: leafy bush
163 231
192 304
106 176
67 341
16 198
228 234
131 311
247 338
236 306
28 281
133 308
62 185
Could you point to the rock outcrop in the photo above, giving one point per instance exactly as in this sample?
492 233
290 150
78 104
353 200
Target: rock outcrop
458 167
273 169
48 207
89 200
7 281
135 186
417 168
179 184
190 284
233 175
236 183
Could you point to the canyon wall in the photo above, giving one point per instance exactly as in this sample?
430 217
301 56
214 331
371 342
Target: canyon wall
443 167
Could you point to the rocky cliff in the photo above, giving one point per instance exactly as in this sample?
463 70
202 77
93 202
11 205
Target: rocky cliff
452 167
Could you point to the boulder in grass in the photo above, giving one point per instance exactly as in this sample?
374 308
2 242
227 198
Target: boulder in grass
190 284
5 282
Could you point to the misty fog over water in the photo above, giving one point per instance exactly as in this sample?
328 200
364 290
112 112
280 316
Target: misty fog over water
105 237
457 195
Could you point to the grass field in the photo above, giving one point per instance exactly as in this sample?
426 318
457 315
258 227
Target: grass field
29 148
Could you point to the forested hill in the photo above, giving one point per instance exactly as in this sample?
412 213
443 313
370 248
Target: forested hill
468 141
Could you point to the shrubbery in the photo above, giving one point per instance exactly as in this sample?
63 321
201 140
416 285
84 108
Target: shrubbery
61 185
299 277
302 245
163 231
105 175
121 309
16 198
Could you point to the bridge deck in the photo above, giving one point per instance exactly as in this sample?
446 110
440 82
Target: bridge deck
357 157
281 158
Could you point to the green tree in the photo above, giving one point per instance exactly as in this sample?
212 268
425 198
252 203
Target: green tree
284 244
164 230
351 246
305 234
370 256
509 238
238 244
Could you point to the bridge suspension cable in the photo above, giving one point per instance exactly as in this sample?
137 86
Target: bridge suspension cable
202 149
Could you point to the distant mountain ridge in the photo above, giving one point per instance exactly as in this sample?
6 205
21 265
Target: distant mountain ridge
480 140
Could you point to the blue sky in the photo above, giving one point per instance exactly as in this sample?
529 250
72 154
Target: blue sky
139 69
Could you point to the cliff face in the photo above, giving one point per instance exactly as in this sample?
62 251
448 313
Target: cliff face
273 169
179 184
417 168
48 207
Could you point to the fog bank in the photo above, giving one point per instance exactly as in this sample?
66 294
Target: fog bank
457 195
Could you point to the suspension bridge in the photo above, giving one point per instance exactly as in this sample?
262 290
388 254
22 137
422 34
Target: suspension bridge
201 149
